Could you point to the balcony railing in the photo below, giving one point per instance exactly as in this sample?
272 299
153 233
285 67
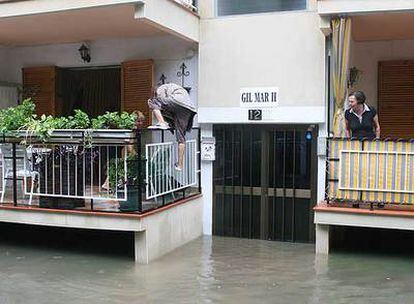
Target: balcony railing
370 171
191 4
106 170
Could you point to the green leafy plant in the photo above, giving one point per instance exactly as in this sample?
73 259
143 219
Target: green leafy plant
16 118
23 117
116 172
80 120
115 120
43 127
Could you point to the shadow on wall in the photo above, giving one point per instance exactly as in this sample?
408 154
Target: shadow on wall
9 95
370 240
101 242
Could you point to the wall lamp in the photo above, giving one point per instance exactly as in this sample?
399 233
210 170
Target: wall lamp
85 53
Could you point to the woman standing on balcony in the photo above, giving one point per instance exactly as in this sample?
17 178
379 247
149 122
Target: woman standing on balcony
361 120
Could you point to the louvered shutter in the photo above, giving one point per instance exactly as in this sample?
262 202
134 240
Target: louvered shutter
396 98
39 83
136 86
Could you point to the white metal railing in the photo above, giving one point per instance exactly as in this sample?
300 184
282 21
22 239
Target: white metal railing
79 172
75 171
102 168
370 170
187 3
161 176
378 171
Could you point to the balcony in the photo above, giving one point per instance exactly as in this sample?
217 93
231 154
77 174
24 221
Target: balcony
107 180
371 173
369 183
97 171
190 4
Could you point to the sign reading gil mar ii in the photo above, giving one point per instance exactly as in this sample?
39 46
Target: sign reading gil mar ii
264 97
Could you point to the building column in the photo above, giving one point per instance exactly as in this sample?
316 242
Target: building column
141 247
322 239
207 185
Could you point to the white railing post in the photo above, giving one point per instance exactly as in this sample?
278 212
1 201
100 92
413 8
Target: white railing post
161 176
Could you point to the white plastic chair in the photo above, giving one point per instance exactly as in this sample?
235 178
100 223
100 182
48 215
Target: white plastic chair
23 169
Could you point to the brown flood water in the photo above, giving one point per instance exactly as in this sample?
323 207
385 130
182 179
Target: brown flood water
207 270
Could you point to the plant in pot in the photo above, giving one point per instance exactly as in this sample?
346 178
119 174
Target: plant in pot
117 181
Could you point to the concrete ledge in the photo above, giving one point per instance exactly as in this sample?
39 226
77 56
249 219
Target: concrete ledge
168 230
353 217
171 17
388 219
363 6
82 220
25 8
156 232
287 114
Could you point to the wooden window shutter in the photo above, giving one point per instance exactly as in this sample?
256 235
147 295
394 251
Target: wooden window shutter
396 98
39 83
136 86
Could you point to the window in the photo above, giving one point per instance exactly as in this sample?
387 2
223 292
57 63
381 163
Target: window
235 7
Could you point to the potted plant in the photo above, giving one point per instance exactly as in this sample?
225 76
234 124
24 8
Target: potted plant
118 183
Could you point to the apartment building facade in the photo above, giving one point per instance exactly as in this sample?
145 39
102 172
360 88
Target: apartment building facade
281 167
262 75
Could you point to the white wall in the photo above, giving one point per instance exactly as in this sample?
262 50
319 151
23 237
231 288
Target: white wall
366 55
8 92
3 60
168 53
333 7
283 49
28 7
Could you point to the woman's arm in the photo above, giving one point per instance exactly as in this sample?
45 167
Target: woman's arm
377 127
347 129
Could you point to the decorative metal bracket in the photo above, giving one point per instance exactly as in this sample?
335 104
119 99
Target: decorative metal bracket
184 73
162 79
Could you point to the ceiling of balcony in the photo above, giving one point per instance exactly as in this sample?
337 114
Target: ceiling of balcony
384 26
74 26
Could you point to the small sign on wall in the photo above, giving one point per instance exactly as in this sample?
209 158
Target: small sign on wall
255 114
208 148
263 97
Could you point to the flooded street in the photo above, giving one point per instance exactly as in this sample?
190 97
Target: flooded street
208 270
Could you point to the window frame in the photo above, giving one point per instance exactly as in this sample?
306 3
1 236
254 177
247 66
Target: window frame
257 13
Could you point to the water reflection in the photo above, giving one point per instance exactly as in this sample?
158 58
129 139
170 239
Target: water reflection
208 270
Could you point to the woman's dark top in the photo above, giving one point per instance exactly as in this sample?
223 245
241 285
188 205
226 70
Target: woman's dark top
362 128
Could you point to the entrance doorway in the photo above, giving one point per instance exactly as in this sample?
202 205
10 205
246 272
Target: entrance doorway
264 182
94 90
